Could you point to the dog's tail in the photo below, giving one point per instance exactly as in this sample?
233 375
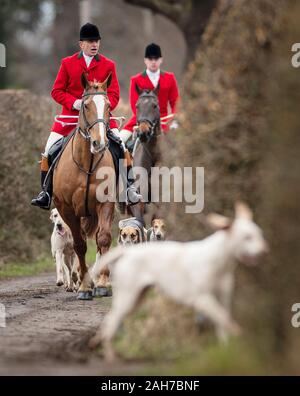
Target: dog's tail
109 259
89 225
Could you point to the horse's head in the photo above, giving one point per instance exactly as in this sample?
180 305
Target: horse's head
147 112
94 113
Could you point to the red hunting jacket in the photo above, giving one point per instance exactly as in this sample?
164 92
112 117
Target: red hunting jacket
168 94
67 86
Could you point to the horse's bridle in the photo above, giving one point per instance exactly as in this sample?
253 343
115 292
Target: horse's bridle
153 124
85 132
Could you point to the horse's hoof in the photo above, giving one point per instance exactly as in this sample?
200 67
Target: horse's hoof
102 292
85 295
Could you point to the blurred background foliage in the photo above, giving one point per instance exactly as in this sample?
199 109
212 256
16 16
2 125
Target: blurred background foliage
239 120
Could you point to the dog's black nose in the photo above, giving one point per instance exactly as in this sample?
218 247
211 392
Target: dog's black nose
158 236
59 226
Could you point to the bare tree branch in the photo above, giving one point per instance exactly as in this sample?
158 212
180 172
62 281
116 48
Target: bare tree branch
172 9
191 16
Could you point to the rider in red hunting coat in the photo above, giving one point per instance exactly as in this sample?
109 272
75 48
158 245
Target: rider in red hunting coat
168 90
67 91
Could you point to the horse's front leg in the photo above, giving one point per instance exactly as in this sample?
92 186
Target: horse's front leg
103 240
85 289
138 211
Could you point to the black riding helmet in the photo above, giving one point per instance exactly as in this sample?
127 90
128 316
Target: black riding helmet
89 32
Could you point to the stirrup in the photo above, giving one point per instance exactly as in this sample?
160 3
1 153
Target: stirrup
36 201
132 196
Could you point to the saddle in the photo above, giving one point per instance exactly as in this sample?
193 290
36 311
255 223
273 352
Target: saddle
130 145
114 146
116 149
55 150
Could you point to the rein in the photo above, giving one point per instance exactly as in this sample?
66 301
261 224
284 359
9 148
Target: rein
155 130
91 170
151 136
85 133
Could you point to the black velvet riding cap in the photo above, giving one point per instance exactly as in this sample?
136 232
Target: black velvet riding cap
89 32
153 51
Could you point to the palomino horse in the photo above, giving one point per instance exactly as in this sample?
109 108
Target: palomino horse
86 152
146 153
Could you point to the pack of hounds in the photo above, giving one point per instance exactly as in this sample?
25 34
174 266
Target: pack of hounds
131 232
198 274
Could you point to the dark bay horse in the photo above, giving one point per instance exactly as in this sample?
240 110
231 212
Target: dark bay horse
87 152
147 149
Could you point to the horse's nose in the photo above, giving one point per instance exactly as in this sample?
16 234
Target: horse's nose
96 144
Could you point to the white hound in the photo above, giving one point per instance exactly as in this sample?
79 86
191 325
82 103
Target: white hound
63 252
131 232
199 274
157 232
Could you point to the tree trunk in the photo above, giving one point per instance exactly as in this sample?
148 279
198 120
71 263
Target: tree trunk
65 36
85 11
191 17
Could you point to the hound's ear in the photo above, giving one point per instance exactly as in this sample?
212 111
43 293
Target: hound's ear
138 89
105 85
139 237
119 239
243 211
156 90
84 81
218 222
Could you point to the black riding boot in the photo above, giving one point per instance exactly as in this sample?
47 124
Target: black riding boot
119 151
43 200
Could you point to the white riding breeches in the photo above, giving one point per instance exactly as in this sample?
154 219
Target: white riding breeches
53 137
117 133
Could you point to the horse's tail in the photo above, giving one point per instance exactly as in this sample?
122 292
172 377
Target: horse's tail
89 225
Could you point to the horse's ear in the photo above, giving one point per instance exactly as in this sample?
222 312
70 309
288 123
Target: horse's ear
156 90
138 89
84 81
105 85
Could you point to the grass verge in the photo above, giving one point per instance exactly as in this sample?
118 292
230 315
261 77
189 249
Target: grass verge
43 264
